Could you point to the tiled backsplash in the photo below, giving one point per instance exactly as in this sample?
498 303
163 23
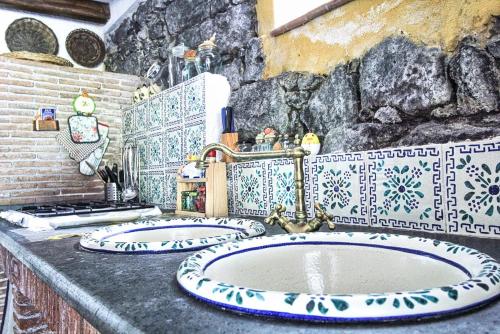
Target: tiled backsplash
450 188
169 126
34 167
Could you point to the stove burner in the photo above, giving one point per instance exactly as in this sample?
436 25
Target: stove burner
67 209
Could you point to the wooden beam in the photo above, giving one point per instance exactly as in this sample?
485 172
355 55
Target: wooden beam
309 16
85 10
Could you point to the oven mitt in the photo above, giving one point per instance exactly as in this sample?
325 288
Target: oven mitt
94 159
80 152
83 129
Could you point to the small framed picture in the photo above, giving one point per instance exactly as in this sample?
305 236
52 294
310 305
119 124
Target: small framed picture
48 113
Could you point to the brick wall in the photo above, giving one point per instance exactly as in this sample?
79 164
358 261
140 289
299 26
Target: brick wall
34 168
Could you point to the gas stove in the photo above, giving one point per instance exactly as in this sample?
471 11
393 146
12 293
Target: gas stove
59 215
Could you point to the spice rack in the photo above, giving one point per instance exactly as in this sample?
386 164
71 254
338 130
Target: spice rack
216 192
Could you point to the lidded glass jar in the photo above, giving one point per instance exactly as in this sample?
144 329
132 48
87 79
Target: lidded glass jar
190 69
208 58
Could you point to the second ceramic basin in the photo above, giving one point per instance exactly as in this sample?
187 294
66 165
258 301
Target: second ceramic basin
342 277
157 235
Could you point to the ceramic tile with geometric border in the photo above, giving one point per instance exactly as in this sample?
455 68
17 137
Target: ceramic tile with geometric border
128 126
142 150
155 153
143 187
156 112
194 138
250 188
170 189
173 106
230 188
141 117
281 189
472 183
339 185
194 98
405 188
156 187
173 147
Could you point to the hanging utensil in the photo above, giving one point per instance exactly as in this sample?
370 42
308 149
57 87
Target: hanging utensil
130 165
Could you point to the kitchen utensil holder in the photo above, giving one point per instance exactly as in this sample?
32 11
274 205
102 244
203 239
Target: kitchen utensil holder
111 192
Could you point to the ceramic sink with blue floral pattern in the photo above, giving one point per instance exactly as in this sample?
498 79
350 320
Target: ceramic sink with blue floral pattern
342 277
160 235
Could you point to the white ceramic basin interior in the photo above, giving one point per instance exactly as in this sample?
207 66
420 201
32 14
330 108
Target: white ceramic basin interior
333 269
342 277
156 235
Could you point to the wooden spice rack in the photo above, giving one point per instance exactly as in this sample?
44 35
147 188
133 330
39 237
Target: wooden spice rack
216 192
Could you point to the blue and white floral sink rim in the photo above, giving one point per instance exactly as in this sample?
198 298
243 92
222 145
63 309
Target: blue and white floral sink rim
239 229
482 287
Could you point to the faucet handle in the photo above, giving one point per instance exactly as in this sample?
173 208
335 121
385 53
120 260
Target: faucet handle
324 216
275 214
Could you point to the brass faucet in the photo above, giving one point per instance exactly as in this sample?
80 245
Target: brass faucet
297 154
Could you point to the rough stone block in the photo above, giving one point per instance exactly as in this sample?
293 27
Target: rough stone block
403 75
477 79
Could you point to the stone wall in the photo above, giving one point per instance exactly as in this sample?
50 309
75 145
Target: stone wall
398 93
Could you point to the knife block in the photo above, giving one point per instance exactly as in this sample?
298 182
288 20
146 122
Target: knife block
230 140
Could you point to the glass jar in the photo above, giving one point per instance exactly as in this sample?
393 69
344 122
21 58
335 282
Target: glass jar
190 69
175 64
201 200
208 58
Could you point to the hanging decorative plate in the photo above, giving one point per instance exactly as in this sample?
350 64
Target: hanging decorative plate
342 277
28 34
160 235
38 57
85 47
83 104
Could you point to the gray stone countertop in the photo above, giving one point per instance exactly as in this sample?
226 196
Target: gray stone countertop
139 293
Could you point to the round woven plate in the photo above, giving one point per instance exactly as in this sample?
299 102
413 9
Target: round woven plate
38 57
28 34
85 47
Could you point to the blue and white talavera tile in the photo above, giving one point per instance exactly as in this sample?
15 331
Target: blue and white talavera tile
156 112
170 189
128 125
173 147
173 106
339 185
405 188
230 189
250 188
472 183
143 187
194 138
194 98
156 187
281 189
155 154
141 117
142 150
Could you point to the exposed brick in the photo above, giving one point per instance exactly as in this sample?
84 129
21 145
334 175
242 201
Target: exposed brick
35 168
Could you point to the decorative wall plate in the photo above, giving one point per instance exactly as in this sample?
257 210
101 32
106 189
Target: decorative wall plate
28 34
85 47
160 235
342 277
38 57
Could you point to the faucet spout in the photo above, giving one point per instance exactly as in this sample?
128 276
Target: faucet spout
276 217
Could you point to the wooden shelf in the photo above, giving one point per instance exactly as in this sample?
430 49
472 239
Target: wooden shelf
216 192
190 213
196 180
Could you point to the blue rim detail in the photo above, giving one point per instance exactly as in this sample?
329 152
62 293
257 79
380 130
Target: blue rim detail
314 318
151 228
342 243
